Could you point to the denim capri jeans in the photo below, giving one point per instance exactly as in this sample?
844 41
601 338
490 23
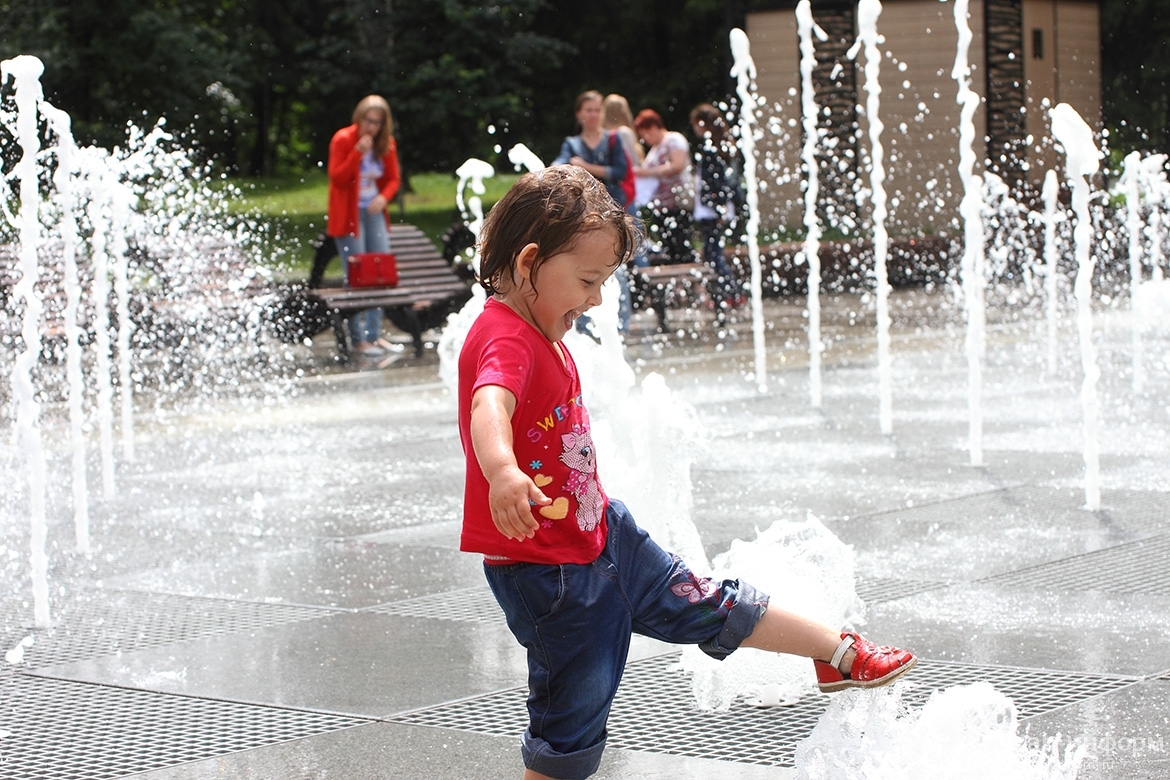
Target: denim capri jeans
576 621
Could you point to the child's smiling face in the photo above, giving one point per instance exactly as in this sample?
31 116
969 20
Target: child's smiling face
567 284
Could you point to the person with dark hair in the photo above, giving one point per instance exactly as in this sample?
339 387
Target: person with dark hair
603 154
363 179
573 573
716 184
595 149
668 162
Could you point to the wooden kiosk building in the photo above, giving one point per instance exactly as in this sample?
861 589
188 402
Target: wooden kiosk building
1025 56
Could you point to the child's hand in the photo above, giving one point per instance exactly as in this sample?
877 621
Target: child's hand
512 495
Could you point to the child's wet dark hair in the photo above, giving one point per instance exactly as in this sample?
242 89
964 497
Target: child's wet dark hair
551 208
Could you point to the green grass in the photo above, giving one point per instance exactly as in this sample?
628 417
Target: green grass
287 214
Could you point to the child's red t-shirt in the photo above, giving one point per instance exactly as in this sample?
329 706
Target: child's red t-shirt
551 440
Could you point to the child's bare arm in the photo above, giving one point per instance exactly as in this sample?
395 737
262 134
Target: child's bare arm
510 489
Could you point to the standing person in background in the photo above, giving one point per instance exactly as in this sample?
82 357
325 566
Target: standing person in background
617 118
594 149
363 179
668 161
715 189
601 153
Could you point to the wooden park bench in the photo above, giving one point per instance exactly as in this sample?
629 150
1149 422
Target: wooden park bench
428 290
663 285
49 288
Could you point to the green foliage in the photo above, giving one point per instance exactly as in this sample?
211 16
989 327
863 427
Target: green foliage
461 69
1135 74
287 213
260 86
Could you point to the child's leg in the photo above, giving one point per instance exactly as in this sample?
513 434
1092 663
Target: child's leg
781 631
841 660
673 604
574 624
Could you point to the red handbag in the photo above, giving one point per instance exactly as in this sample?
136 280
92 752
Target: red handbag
372 269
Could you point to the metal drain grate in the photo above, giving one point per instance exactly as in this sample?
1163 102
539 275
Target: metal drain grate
1034 691
476 605
56 729
105 622
1135 567
879 589
654 710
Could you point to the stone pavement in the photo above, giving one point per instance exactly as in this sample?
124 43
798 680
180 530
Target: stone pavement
276 592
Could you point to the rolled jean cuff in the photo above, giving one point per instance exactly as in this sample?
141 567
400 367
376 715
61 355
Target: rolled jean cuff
741 620
539 756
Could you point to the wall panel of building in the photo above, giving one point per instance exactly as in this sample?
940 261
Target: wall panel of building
920 111
776 52
918 100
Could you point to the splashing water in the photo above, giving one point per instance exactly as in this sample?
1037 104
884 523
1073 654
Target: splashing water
1151 304
868 12
806 27
967 732
1132 181
1049 195
137 233
1081 160
744 72
25 73
523 157
1157 189
60 123
971 209
471 175
805 569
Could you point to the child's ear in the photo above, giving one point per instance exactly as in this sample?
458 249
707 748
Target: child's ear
525 260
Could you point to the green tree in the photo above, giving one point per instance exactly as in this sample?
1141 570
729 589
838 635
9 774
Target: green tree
121 61
659 54
260 86
1135 74
464 77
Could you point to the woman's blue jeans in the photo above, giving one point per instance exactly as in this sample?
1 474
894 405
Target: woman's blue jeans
373 236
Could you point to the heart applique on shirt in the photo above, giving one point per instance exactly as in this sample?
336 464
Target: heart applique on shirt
557 510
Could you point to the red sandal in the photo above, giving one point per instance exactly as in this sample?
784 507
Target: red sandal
872 667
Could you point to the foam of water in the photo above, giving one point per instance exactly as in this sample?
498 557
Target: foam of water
807 27
1082 159
164 254
744 72
25 72
970 208
805 569
868 12
1152 304
968 732
1051 259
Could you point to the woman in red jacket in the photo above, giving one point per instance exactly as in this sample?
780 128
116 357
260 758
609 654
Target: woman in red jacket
363 179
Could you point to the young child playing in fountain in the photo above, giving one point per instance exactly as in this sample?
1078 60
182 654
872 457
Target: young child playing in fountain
573 573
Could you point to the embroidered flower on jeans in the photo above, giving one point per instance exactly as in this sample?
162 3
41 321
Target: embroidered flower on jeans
695 589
